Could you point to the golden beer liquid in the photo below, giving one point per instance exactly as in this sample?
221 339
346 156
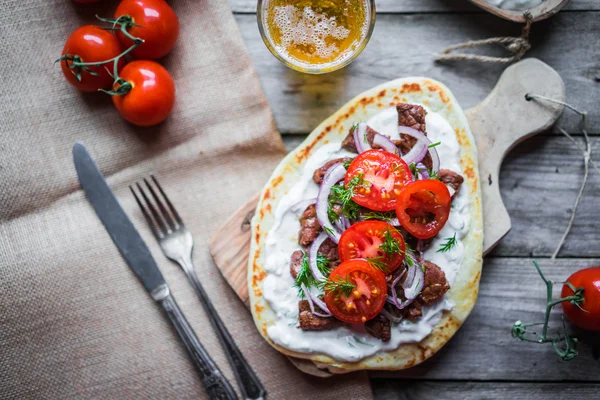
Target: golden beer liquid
316 32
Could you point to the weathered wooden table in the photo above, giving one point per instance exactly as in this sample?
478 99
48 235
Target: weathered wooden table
539 183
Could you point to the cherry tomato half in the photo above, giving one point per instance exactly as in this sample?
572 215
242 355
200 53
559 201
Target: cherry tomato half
91 44
366 295
151 97
589 280
383 173
423 208
158 27
371 239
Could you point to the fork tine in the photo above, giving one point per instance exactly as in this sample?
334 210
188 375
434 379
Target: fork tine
155 214
173 211
156 233
161 206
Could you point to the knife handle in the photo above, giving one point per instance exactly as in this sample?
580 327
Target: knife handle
216 385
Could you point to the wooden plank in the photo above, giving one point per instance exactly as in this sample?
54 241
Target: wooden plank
483 348
422 6
431 390
539 182
403 45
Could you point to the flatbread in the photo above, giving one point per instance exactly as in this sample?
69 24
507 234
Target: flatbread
464 289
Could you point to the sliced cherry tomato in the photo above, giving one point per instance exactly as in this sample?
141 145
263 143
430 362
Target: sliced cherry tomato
377 177
374 240
356 291
90 44
155 23
589 280
152 94
423 208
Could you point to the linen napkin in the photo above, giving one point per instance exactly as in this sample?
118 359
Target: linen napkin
74 320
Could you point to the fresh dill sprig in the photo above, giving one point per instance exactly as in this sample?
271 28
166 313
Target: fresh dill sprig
416 170
346 163
378 263
329 230
450 243
380 215
390 244
339 286
343 196
305 275
434 145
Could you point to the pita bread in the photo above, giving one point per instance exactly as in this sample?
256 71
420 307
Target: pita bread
464 289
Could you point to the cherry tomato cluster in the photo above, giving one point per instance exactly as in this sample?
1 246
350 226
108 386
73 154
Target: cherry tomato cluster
94 59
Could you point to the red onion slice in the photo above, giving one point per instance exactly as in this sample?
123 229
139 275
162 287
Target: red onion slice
333 176
418 152
412 285
302 205
312 256
385 143
312 300
422 171
388 315
360 137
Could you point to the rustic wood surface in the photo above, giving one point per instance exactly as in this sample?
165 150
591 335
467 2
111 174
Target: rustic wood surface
539 181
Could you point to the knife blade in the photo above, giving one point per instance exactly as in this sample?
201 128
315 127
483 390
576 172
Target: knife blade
137 255
129 242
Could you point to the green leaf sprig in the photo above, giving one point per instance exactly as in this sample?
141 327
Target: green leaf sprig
450 243
305 275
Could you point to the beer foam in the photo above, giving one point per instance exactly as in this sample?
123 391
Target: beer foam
309 28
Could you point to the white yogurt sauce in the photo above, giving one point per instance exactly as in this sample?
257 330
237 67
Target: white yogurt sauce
354 343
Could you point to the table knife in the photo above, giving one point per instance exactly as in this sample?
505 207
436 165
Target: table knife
138 257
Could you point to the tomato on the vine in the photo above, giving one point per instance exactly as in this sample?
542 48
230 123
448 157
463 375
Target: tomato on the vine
154 21
377 241
90 44
149 96
377 176
423 207
589 280
355 291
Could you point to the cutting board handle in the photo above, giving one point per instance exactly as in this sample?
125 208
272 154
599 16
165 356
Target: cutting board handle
502 121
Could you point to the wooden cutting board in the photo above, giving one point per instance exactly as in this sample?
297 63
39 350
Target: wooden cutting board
500 122
545 10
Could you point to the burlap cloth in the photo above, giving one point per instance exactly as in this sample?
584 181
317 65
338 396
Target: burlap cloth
74 320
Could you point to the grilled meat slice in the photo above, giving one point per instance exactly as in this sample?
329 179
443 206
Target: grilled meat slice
329 249
320 172
311 322
380 327
349 144
296 263
452 179
412 116
309 226
435 285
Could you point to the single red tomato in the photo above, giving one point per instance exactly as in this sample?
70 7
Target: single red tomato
377 241
90 44
378 177
152 94
423 208
589 280
355 291
157 24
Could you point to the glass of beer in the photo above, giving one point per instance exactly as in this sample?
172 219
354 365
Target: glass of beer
316 36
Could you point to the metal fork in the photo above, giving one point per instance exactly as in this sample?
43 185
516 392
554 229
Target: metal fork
177 243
